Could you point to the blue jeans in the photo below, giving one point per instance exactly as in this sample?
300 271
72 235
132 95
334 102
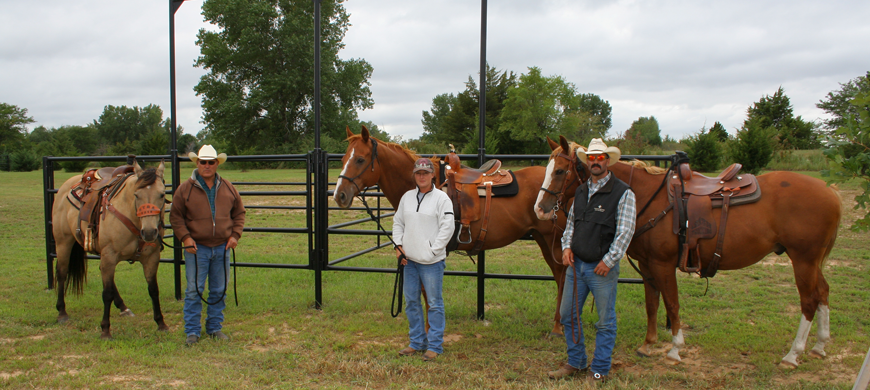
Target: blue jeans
603 289
430 277
211 262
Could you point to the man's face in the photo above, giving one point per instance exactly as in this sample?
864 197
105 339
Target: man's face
423 178
597 163
206 168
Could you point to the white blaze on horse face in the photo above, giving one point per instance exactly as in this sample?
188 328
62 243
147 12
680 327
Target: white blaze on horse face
548 178
343 172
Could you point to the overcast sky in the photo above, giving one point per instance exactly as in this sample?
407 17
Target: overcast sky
688 63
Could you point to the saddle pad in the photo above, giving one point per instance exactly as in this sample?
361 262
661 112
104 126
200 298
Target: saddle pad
502 191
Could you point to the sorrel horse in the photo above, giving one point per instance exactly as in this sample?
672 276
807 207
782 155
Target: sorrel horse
512 217
131 229
796 214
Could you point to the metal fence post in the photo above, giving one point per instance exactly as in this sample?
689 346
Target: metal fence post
48 202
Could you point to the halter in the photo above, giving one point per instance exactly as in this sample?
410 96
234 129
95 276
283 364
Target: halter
361 172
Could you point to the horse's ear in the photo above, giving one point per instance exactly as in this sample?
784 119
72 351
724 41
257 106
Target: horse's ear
160 169
349 133
365 133
136 168
553 144
564 144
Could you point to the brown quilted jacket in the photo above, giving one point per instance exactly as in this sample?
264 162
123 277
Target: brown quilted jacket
190 214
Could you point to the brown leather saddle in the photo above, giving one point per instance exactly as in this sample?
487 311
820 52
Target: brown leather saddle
87 195
466 186
693 197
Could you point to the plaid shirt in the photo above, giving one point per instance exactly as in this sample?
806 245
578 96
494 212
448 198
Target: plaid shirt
625 223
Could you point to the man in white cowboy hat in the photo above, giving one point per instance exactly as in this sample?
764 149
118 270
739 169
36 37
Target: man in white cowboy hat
207 216
600 225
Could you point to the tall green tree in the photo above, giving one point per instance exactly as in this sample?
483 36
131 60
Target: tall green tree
121 123
541 106
646 129
13 125
776 111
719 131
849 149
839 103
259 87
454 119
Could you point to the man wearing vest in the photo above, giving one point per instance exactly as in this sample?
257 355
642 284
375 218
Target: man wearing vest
600 226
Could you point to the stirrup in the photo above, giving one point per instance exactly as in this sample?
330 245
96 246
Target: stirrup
459 235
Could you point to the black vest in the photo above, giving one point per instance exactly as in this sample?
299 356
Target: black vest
595 220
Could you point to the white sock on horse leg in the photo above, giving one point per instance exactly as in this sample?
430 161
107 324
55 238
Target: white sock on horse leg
823 334
800 342
679 342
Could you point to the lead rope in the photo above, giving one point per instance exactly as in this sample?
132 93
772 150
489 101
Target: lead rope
399 282
226 272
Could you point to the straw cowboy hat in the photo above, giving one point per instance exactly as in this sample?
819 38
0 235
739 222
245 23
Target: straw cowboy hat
207 152
597 146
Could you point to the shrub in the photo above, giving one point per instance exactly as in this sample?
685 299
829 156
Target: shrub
705 151
24 161
4 161
753 146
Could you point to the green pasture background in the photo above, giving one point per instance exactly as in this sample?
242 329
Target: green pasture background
736 333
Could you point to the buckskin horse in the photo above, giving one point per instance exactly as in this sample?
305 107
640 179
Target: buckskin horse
129 208
369 161
795 214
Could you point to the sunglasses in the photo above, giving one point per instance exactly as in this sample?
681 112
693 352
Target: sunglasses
597 157
207 162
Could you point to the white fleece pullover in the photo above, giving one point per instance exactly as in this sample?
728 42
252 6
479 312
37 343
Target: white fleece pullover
423 229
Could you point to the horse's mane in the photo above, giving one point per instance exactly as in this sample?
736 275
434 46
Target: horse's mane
408 152
147 178
571 144
651 169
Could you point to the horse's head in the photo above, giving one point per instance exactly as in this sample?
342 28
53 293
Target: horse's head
564 174
360 168
150 200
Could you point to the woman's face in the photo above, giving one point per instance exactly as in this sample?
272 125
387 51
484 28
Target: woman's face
423 179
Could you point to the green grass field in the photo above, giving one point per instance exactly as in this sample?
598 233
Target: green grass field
735 335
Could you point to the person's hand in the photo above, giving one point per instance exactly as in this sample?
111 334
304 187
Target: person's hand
567 257
601 269
399 253
232 243
189 245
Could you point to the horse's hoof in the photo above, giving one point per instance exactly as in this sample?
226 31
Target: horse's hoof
787 365
62 320
674 357
644 351
164 329
106 337
127 313
817 354
555 334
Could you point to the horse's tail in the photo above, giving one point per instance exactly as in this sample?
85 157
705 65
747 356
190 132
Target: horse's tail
833 236
77 273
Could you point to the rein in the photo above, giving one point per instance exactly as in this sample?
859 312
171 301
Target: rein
144 210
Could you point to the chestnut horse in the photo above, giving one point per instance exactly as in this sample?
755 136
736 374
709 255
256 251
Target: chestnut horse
141 201
796 214
512 217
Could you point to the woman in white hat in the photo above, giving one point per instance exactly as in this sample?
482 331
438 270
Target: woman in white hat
600 226
207 216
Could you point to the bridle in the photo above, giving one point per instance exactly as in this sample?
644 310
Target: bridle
362 171
575 168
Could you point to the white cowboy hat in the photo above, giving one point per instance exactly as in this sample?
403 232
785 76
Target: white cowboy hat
207 152
597 146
